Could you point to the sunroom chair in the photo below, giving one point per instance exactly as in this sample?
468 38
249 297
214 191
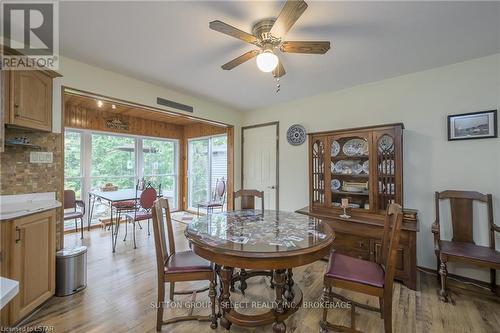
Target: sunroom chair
462 247
70 202
217 200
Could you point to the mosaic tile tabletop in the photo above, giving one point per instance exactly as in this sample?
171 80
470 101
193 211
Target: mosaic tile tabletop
252 231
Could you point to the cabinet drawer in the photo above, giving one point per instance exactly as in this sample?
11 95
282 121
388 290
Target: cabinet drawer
351 242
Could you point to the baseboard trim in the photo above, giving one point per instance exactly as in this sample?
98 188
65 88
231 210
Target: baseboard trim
465 283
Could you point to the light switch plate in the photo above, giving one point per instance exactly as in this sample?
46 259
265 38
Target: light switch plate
41 157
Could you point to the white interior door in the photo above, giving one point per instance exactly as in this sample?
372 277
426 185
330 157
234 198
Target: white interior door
260 162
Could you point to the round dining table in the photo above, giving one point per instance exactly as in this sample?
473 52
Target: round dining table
260 240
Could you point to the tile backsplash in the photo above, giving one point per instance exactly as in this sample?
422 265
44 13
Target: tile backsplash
19 176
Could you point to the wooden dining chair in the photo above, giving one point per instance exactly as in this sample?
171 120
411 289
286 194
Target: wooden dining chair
248 198
173 266
462 247
70 202
366 277
248 202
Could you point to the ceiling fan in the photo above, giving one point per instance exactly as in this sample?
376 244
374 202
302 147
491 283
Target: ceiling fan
268 35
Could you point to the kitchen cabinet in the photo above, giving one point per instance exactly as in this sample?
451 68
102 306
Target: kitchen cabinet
28 97
28 256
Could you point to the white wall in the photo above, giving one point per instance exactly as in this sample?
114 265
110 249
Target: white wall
78 75
421 101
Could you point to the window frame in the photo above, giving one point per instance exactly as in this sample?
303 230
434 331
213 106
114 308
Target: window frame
86 161
210 171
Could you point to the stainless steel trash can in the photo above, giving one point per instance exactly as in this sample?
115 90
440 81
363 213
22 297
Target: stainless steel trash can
71 270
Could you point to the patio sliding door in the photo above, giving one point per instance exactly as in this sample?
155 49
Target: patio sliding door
207 163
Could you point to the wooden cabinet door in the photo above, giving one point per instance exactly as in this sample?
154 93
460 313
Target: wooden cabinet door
33 262
31 100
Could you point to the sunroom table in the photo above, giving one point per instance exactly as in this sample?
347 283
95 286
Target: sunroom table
111 197
250 239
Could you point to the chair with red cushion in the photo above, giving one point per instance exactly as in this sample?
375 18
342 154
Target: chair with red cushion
70 202
143 210
218 199
122 207
175 266
366 277
462 248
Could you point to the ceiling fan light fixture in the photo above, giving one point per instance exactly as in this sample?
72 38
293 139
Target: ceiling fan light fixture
267 61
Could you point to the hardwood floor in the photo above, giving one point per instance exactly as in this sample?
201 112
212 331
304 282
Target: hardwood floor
121 295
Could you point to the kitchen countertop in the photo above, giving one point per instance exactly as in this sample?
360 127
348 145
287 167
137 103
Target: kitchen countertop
8 290
18 205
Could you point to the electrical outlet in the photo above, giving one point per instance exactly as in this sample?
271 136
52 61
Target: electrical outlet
41 157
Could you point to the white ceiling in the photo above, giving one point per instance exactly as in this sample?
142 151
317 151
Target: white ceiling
170 44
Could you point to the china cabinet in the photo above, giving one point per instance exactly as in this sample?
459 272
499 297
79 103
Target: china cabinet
365 166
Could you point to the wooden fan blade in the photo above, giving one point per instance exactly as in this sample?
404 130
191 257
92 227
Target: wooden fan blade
289 14
279 71
241 59
233 32
305 47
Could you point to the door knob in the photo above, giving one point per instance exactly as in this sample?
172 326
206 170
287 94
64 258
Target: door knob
272 187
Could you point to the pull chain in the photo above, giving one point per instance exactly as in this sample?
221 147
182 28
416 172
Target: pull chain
278 85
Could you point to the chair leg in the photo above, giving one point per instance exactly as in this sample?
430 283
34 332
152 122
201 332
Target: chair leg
388 312
381 305
172 291
126 230
493 279
140 226
326 299
213 315
135 245
443 272
437 269
76 225
81 227
149 234
161 300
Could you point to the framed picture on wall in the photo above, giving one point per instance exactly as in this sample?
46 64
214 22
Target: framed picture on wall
474 125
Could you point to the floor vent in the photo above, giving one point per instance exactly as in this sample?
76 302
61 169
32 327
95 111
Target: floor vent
175 105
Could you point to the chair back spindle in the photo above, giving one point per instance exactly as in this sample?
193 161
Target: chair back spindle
461 206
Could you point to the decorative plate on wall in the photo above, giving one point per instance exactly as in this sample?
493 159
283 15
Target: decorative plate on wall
296 135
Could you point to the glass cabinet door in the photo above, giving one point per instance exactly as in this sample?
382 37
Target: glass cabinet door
350 170
317 181
388 180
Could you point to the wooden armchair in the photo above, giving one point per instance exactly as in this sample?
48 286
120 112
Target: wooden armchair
462 248
248 202
175 266
366 277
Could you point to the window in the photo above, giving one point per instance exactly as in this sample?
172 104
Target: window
160 166
72 162
207 164
93 159
113 161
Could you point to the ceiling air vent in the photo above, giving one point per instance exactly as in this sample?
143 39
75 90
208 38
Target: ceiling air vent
175 105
